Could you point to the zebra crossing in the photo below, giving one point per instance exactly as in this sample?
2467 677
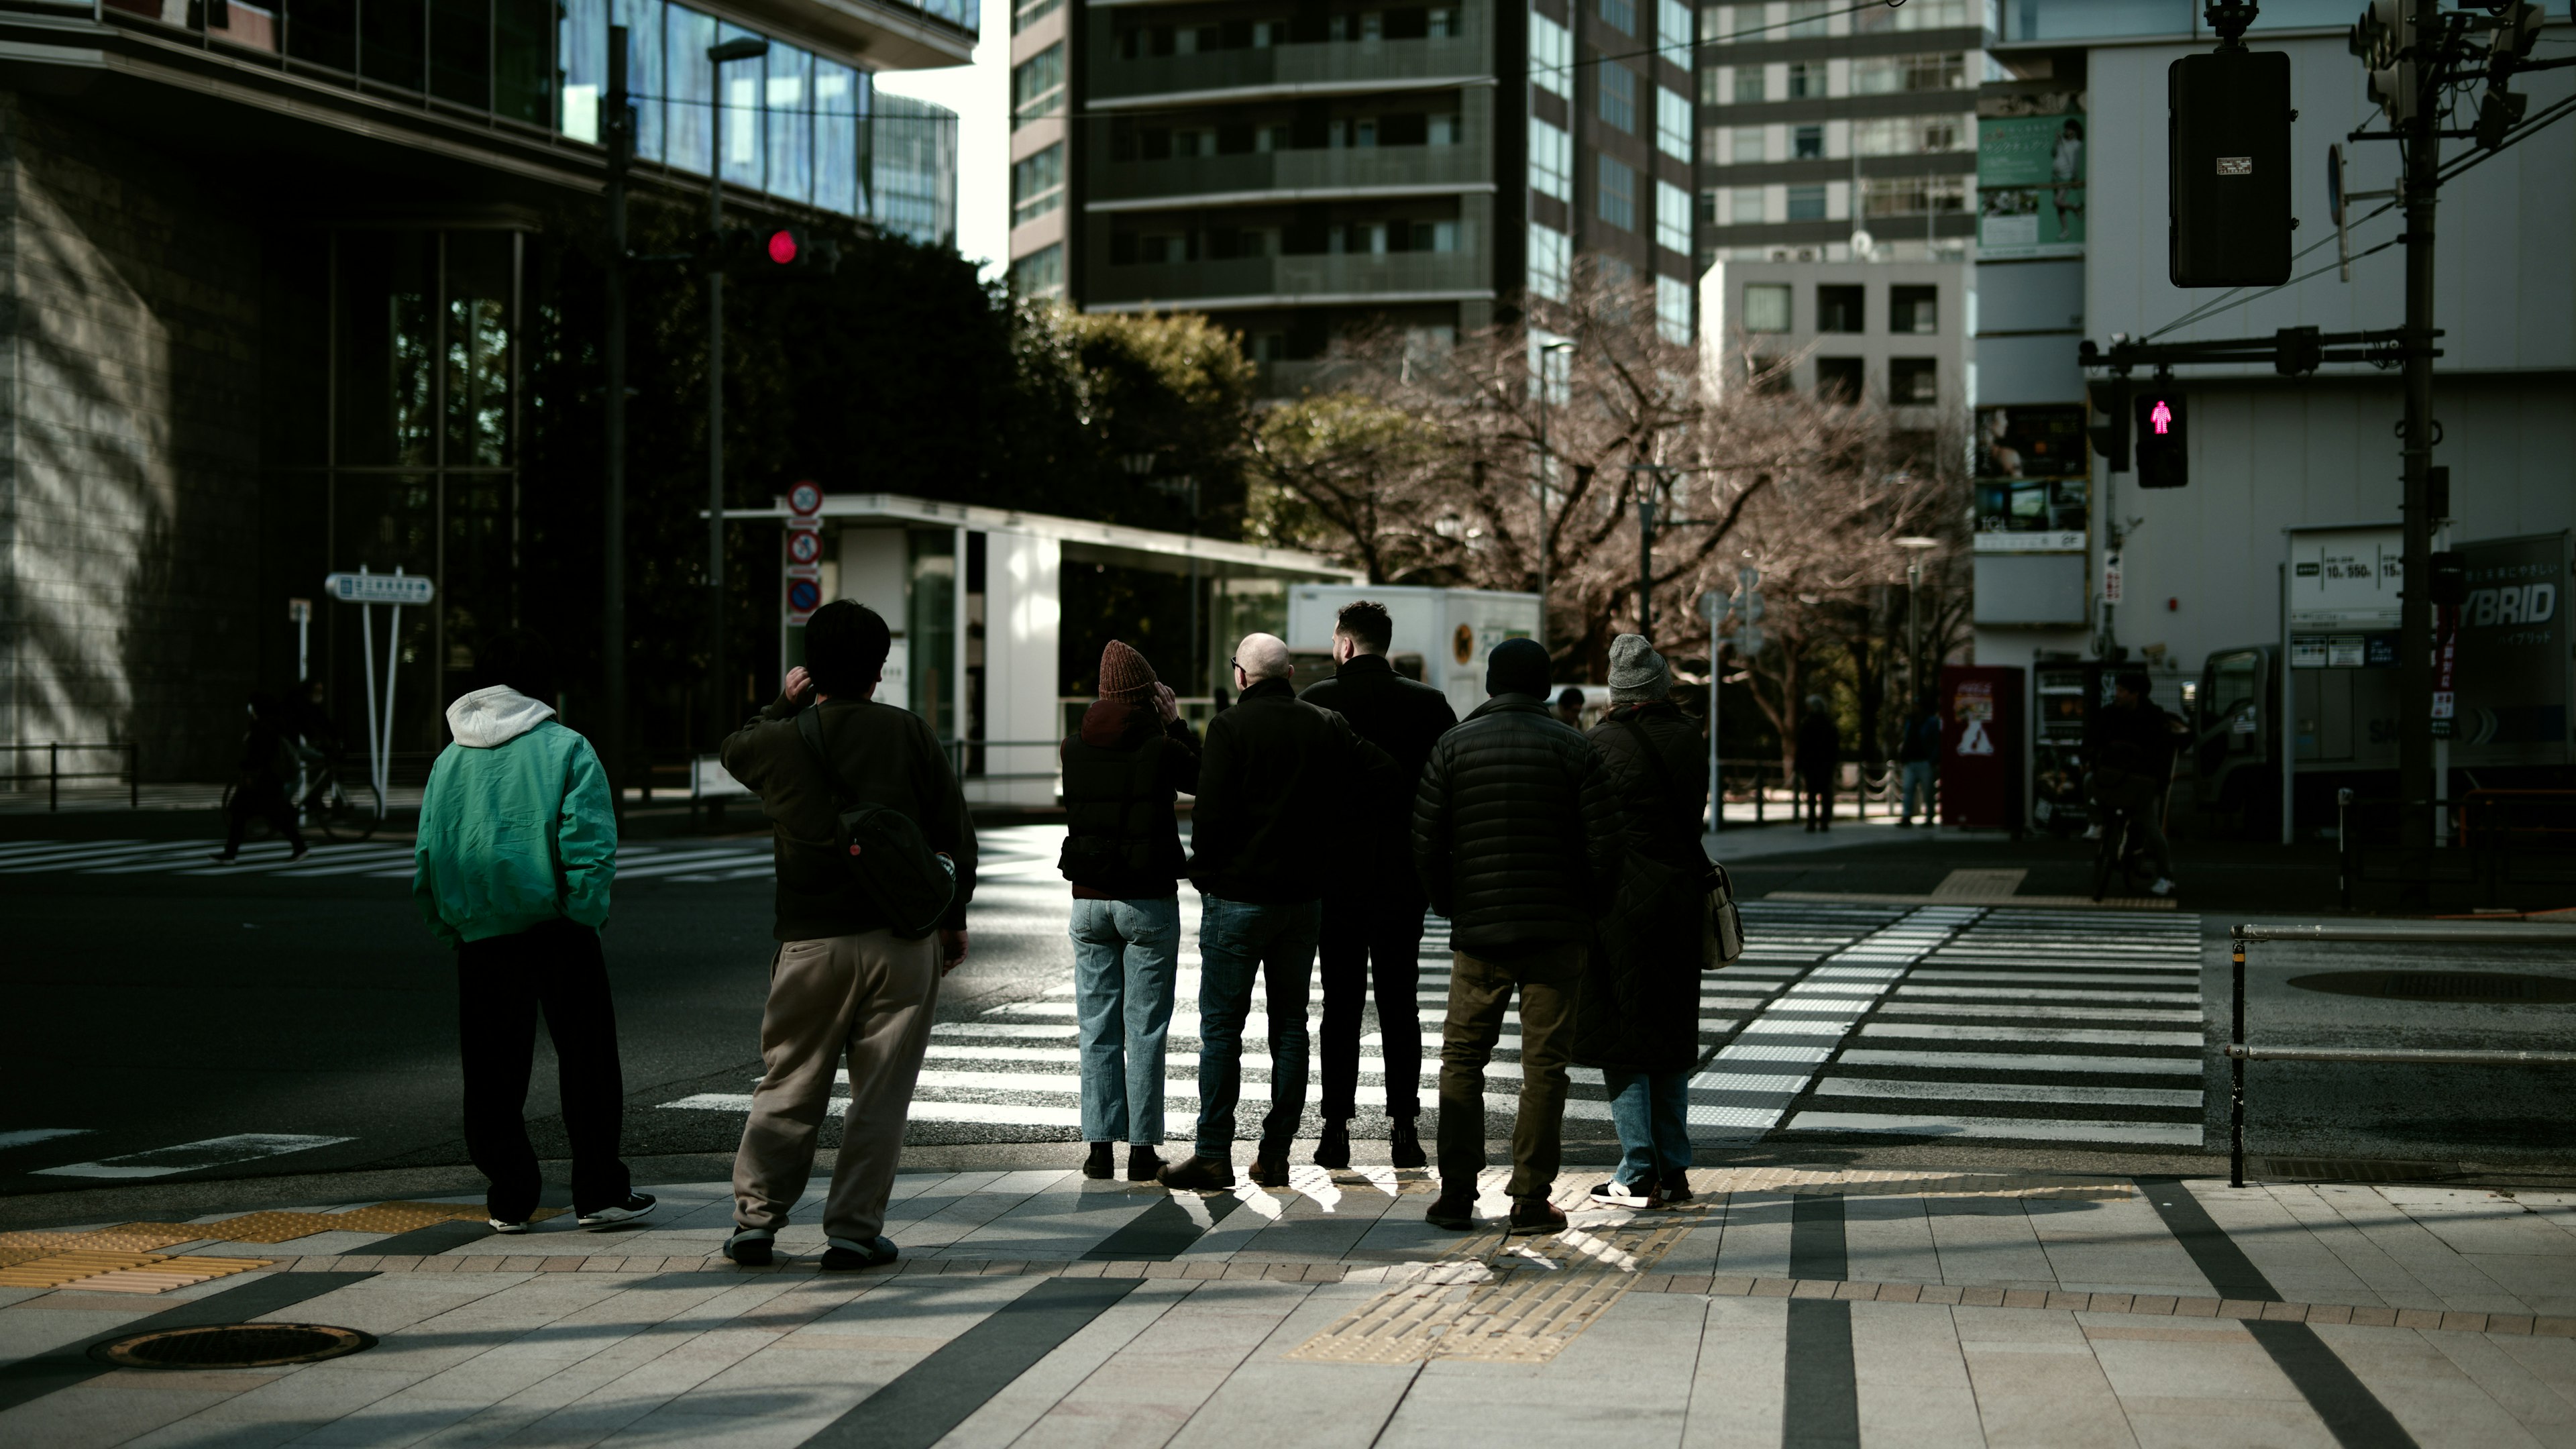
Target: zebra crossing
1844 1021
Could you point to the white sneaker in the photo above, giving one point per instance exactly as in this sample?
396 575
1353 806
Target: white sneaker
1615 1193
513 1229
2162 887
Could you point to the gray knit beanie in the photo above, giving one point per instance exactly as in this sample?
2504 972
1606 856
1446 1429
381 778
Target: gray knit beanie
1637 672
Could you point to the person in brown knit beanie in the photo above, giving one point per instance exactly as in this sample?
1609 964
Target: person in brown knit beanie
1122 852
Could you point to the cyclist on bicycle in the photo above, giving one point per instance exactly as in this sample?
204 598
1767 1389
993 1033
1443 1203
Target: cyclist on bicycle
2134 744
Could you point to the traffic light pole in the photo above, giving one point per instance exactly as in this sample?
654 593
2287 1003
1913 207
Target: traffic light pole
621 147
716 722
2417 788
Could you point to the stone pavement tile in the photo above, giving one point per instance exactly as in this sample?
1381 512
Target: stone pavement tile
2214 1359
1331 1404
2192 1423
1907 1346
1889 1240
110 1409
311 1398
1008 1414
1066 1220
2550 1360
2408 1264
2042 1393
2430 1395
2275 1226
1988 1242
1737 1387
2545 1411
2017 1326
2475 1223
1234 1233
1156 1381
28 1331
1756 1243
2117 1246
2538 1284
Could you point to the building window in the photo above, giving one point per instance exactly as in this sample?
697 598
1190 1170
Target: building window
1912 195
1708 208
1915 310
1673 309
1807 18
1616 200
1672 217
1749 88
1551 256
1037 86
1879 75
837 107
1766 306
1672 123
1619 15
1806 203
1619 97
1040 273
1911 135
1026 13
1748 21
1037 185
1744 207
1551 160
1807 80
1840 309
1673 30
1747 147
1551 55
1913 381
1807 143
1918 15
1838 379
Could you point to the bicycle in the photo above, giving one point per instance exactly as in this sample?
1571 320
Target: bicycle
328 804
2123 846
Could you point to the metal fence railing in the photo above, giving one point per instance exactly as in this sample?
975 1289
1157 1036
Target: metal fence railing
2491 839
54 775
2239 1051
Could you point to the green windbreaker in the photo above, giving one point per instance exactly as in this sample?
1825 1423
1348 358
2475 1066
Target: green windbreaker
516 825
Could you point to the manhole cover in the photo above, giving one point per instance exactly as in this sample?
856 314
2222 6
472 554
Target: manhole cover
233 1345
2440 985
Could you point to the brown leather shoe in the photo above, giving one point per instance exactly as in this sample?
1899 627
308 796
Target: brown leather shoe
1534 1215
1454 1211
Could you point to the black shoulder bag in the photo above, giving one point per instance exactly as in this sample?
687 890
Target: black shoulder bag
909 883
1721 936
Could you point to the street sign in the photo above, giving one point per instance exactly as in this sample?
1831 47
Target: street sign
804 596
1712 606
1749 640
804 546
409 590
299 611
805 499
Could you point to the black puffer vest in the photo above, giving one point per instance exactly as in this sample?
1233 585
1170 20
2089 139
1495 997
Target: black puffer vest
1122 839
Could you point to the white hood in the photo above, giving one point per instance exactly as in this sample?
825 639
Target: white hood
495 716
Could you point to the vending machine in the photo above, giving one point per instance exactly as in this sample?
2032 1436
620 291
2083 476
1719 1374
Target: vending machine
1982 719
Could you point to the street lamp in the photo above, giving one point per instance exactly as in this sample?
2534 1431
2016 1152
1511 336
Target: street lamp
1914 545
1544 353
748 47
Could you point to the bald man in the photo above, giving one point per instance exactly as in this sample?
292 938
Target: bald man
1274 777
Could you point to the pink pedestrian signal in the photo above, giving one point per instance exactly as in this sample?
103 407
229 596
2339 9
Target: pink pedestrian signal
2162 417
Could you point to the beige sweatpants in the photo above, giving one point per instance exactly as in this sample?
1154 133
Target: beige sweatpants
871 998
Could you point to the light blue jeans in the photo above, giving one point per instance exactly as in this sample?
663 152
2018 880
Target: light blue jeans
1125 955
1237 939
1918 786
1651 1111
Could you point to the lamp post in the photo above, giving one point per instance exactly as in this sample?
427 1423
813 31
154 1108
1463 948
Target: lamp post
621 152
1544 353
749 47
1914 545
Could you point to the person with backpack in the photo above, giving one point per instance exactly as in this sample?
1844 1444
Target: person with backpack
1639 1020
516 852
1122 851
865 809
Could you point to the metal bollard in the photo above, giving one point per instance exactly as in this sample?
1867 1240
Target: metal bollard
53 777
2236 1073
133 775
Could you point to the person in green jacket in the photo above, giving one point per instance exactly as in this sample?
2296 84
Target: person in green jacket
518 845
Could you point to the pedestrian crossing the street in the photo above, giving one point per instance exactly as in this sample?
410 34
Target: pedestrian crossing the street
1988 1024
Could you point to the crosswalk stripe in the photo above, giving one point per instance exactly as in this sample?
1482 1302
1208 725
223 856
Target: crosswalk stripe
2190 1066
2089 1035
2025 1129
1903 1089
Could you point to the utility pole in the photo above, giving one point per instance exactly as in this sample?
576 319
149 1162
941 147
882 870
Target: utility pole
747 48
2417 788
1545 356
621 151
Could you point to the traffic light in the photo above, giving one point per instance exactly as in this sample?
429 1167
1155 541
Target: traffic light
2384 38
2227 121
2110 398
774 251
2161 459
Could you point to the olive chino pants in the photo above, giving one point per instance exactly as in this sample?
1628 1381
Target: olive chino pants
1480 992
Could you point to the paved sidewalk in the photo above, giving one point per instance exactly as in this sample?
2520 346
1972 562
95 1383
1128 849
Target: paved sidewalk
1784 1307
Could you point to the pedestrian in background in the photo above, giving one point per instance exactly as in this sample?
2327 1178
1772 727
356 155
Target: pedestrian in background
1122 852
843 983
1373 905
1516 836
1639 1021
1916 752
1272 781
1569 707
1818 760
516 852
262 773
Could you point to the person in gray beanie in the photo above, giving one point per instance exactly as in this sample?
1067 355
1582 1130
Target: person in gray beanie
1516 837
1639 1021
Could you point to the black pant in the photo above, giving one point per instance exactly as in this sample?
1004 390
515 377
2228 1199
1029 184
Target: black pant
1817 790
263 800
1361 932
501 983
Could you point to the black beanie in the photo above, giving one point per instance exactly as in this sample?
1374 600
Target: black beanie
1517 666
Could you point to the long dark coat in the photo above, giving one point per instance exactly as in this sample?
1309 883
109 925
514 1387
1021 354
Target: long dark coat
1640 1005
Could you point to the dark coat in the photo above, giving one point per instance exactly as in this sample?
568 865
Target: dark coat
1640 1005
1516 834
1403 717
1820 744
1276 779
1121 774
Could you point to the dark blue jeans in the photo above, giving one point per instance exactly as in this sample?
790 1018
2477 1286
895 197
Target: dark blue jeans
1236 939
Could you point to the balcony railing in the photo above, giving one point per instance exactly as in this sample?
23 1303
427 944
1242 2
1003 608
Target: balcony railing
1338 63
1312 170
1349 275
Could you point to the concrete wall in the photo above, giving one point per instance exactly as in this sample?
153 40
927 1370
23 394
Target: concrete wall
129 424
1023 611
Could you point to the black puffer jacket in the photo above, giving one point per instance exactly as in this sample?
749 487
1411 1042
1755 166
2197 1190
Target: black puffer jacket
1516 834
1640 1007
1402 717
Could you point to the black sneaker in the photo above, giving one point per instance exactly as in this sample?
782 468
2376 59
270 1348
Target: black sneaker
636 1205
1333 1149
1405 1146
750 1246
1454 1211
1677 1190
845 1255
1100 1163
1534 1215
1195 1173
1615 1193
1270 1169
1143 1163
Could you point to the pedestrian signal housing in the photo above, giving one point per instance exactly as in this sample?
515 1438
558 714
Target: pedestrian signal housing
2228 124
2384 38
2159 438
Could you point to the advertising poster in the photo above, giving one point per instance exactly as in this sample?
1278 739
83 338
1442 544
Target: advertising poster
2034 465
2030 186
2512 697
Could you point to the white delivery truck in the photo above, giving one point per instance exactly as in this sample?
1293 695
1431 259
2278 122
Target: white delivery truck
1441 635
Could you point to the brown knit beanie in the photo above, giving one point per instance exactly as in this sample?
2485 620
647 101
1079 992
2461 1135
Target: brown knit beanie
1124 674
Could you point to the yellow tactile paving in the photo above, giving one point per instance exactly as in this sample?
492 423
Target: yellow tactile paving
260 1227
17 1248
122 1272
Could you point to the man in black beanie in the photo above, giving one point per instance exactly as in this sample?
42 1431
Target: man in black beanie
1517 839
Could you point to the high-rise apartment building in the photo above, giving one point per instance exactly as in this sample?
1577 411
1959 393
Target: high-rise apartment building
1294 169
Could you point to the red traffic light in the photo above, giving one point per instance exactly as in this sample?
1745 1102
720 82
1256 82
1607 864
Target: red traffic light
782 247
